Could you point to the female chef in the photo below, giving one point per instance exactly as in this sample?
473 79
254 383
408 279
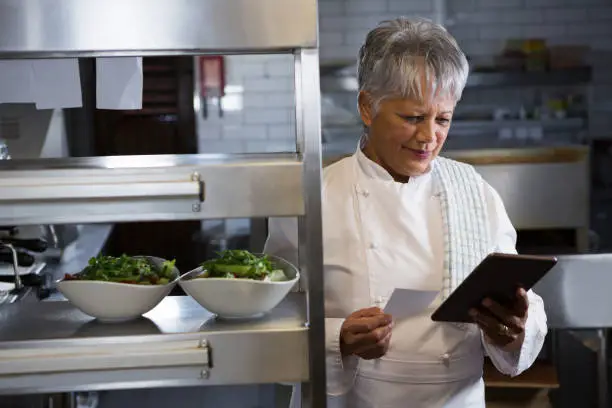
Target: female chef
396 215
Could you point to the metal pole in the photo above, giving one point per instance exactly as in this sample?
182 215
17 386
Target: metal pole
602 369
308 143
17 279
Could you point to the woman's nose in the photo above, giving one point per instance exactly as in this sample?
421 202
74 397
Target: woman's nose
427 133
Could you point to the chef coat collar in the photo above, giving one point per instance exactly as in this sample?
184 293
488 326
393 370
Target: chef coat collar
373 170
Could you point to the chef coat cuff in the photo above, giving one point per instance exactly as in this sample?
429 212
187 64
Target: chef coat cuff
513 363
341 371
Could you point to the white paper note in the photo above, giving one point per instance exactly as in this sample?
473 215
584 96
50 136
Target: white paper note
16 81
56 83
119 83
405 303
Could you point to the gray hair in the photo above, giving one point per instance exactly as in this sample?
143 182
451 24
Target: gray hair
394 54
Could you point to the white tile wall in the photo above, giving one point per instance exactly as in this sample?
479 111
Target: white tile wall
573 22
260 108
558 21
260 111
343 24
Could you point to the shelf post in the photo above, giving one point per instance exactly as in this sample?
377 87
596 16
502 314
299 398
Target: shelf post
308 144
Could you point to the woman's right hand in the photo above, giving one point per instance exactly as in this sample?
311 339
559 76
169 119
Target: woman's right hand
366 333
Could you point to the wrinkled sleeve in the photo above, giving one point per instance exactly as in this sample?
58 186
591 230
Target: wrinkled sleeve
504 236
341 371
283 242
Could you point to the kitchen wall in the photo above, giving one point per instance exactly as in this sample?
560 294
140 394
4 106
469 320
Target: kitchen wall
32 133
482 26
343 24
258 109
259 105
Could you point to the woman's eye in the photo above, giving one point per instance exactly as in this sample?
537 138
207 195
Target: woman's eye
443 121
413 119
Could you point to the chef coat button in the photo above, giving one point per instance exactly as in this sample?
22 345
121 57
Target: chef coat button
379 300
445 358
365 193
373 245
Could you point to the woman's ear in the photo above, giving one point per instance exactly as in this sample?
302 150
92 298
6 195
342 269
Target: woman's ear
364 103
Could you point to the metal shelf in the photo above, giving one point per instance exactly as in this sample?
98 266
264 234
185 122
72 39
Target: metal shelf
132 188
549 124
340 81
115 189
53 347
563 77
52 28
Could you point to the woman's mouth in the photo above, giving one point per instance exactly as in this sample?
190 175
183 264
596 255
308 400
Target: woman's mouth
419 154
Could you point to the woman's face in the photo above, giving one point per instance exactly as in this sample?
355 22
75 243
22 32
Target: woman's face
405 135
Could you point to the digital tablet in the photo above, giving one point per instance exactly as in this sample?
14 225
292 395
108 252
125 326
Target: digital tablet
497 277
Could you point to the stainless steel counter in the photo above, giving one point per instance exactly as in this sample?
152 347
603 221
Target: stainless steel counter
542 188
576 297
52 347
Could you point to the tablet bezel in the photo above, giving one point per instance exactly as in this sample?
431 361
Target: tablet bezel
498 277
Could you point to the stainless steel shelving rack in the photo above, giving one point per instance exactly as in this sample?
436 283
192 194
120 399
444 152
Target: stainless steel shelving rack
49 346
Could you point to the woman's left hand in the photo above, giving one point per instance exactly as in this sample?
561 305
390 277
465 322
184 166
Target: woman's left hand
504 326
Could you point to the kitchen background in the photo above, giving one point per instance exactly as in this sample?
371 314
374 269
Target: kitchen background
515 98
568 105
574 107
260 87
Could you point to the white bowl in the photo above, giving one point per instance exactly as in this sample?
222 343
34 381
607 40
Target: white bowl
239 298
115 302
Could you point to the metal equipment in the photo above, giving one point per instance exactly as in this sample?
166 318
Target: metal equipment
156 188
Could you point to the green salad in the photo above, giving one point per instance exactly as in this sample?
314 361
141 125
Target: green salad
126 269
241 264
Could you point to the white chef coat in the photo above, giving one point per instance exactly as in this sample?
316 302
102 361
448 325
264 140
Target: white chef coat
378 235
